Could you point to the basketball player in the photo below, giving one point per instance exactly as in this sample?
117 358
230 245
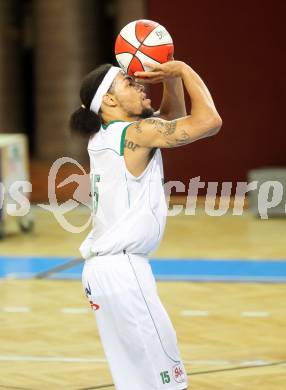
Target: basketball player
129 212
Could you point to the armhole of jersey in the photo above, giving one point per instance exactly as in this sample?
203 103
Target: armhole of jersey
122 141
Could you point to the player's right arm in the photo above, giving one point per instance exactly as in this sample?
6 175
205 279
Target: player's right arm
202 122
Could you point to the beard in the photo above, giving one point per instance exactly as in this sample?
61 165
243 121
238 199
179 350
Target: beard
146 113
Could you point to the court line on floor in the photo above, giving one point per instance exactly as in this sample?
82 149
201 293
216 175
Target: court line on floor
63 359
97 387
16 309
51 359
184 313
241 367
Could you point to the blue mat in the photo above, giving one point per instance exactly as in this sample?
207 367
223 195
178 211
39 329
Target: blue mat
164 269
28 266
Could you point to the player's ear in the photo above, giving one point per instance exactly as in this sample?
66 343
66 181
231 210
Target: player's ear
109 100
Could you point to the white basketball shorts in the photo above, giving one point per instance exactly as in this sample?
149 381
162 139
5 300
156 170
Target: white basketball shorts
137 335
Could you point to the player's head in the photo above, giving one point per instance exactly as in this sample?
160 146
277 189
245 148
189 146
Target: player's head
127 97
107 93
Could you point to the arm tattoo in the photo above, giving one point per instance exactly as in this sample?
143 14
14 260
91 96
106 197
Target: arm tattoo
166 128
130 145
183 139
170 127
163 127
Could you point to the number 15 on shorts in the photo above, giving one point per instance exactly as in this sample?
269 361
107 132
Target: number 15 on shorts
165 377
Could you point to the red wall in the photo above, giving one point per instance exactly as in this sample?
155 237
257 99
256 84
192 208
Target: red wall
236 47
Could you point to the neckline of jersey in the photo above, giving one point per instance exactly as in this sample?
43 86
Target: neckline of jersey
110 123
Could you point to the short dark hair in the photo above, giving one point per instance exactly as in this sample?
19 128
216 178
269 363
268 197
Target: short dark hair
83 121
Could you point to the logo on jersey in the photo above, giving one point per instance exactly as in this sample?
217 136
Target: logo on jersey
178 373
93 305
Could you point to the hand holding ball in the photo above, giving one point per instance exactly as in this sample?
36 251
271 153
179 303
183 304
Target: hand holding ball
143 41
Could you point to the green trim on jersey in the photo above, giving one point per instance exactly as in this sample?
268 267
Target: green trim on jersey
110 123
123 135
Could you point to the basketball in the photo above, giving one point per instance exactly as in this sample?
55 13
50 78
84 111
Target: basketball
143 41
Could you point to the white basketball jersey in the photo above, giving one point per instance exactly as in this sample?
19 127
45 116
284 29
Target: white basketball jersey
128 212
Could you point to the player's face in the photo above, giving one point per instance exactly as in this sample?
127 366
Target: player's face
131 97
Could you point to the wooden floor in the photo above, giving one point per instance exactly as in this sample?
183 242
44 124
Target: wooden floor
48 338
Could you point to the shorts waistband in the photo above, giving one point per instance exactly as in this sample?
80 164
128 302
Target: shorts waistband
118 257
96 254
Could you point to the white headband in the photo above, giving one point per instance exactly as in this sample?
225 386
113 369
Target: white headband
103 88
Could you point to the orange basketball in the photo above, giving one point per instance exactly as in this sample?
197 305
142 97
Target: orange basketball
143 41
